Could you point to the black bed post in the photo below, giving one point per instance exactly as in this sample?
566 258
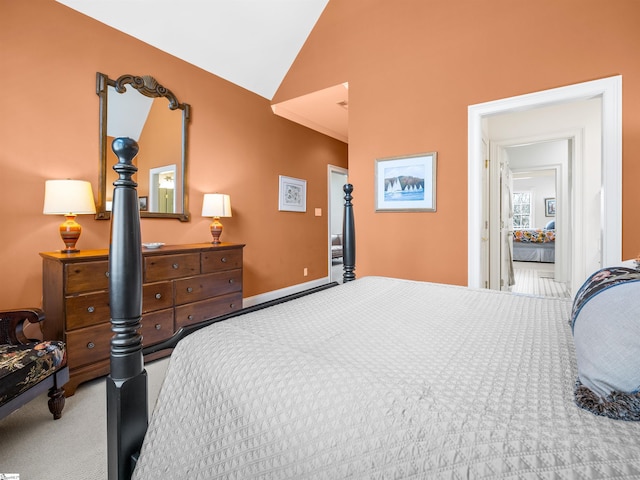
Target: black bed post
349 237
127 382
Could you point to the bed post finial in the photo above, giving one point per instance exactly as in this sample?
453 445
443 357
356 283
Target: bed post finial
348 237
127 381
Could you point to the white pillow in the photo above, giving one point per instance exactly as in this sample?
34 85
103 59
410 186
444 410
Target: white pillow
606 329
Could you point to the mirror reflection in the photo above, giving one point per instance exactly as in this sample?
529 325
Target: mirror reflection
142 109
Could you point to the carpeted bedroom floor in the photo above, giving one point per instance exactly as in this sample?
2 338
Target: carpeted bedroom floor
35 446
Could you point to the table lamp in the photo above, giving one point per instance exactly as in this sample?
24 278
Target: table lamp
68 198
216 205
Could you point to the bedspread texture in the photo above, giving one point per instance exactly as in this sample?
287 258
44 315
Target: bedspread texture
384 378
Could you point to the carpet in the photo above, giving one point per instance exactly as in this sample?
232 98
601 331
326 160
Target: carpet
36 447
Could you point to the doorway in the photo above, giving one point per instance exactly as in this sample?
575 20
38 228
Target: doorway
541 168
606 228
539 231
162 185
337 178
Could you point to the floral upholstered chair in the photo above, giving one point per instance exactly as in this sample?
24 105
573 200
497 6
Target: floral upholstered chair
29 367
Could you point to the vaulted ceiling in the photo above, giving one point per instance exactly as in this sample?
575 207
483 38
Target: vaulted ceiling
251 43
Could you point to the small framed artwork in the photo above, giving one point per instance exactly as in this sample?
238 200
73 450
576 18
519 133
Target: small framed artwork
292 195
406 184
549 207
144 203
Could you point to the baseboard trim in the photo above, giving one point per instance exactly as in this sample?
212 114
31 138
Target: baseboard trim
275 294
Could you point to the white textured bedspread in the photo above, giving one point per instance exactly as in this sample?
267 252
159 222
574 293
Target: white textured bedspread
384 378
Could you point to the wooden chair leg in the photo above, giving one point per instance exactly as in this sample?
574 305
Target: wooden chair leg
56 401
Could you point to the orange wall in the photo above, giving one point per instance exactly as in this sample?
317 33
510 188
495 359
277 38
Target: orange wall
49 129
160 142
414 66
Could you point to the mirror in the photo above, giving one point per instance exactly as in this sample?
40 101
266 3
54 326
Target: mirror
142 109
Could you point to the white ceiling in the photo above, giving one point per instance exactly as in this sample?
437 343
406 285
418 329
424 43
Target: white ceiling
251 43
128 113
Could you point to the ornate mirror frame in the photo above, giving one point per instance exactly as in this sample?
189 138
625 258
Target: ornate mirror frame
149 87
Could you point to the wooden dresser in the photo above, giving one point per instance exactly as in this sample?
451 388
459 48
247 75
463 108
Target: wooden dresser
182 285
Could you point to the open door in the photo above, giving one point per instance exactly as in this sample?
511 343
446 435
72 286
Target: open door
337 178
484 252
590 114
507 277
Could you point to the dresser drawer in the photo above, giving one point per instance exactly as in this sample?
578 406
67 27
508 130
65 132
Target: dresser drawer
92 344
86 276
221 260
206 309
75 296
156 296
167 267
193 289
89 345
157 326
86 310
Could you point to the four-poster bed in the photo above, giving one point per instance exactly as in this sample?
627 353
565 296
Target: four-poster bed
376 378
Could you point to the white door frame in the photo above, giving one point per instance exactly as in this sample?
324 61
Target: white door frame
153 186
562 266
330 207
610 90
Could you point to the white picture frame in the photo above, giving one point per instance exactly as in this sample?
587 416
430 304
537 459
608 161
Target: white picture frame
292 196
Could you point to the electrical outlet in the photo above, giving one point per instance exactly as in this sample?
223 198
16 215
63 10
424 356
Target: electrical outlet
305 271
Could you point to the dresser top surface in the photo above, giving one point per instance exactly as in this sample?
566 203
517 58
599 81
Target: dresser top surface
165 249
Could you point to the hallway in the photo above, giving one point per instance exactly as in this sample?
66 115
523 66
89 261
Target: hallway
537 279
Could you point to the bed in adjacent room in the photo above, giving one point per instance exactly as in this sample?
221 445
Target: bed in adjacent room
534 245
385 378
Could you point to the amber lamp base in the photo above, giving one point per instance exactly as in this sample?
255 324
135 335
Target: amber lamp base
70 232
216 230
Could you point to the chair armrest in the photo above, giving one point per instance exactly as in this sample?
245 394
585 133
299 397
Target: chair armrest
12 324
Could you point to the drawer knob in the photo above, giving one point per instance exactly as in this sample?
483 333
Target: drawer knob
189 317
223 259
106 274
175 266
158 296
231 280
90 345
232 305
91 309
158 326
189 289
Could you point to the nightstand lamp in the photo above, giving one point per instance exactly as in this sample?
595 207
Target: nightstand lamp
216 205
68 198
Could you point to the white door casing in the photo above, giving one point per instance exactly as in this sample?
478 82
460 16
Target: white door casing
572 140
486 211
336 178
610 229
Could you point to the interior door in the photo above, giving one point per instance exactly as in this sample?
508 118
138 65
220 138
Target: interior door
507 277
484 248
337 178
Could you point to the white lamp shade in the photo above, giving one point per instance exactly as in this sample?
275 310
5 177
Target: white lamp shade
63 197
216 205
